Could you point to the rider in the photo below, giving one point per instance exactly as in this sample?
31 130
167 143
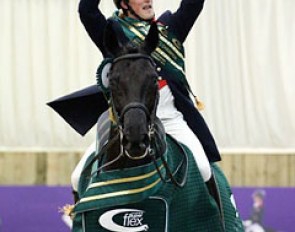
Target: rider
176 110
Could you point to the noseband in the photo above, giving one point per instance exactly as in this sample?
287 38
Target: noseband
151 134
135 105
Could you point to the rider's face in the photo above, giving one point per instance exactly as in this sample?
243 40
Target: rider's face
143 8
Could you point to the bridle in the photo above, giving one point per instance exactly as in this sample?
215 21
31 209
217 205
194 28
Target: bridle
151 126
151 132
151 116
150 152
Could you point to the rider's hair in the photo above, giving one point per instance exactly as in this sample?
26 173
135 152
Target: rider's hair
118 5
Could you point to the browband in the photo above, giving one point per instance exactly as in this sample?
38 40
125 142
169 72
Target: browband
134 56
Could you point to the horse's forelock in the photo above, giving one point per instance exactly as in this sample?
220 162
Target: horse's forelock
130 48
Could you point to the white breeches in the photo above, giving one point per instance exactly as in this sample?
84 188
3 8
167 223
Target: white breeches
174 125
79 168
103 129
177 127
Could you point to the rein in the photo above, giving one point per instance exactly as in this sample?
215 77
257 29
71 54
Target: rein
150 152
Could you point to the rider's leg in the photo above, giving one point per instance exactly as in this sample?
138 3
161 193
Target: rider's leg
177 127
103 128
179 130
79 167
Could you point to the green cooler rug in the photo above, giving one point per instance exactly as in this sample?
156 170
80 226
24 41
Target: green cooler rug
136 200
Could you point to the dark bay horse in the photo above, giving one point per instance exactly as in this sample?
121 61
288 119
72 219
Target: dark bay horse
143 180
134 95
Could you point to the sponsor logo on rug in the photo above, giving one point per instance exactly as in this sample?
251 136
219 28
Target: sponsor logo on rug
123 220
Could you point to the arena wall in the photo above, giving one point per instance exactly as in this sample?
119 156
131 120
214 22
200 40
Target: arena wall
243 169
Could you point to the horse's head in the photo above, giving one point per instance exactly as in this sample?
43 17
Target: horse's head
134 90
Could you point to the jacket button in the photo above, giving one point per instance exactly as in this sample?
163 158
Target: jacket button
159 69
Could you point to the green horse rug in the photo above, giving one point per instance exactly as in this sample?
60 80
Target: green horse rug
137 199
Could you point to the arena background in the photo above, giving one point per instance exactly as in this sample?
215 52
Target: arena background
240 62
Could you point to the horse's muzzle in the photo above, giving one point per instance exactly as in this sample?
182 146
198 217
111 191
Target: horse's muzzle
136 149
136 140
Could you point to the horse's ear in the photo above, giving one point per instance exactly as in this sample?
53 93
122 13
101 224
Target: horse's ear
114 38
152 39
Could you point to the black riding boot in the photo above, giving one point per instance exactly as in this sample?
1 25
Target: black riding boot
214 192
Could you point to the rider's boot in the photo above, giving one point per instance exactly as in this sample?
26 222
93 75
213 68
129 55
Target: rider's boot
214 192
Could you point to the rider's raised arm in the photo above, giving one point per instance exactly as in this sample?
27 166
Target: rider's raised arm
181 22
94 21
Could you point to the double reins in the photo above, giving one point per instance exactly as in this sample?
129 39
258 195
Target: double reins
182 167
118 120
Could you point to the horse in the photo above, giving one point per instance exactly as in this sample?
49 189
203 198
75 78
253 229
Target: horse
144 180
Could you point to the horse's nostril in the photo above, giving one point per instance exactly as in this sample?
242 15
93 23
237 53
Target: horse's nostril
142 146
128 146
136 146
